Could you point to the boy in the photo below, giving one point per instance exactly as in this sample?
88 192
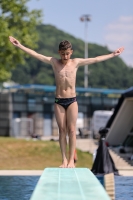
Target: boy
65 107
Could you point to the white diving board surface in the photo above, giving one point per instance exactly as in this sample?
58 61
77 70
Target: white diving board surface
122 124
69 184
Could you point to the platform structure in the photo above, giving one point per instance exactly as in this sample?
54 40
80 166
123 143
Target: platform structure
69 184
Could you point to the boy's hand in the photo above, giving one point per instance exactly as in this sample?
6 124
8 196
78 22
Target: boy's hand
14 41
118 51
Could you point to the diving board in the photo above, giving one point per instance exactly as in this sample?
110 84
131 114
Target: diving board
69 184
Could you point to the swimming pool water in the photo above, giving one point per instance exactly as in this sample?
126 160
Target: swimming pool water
17 187
21 187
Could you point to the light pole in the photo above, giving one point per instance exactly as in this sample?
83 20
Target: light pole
86 18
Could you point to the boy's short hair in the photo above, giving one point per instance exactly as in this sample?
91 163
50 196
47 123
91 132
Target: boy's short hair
64 45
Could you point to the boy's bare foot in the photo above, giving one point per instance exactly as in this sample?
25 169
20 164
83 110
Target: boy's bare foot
64 164
71 164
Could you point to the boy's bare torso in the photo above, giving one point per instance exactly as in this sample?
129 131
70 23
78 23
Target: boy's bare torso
65 77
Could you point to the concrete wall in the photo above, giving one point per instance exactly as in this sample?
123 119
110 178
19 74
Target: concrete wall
5 113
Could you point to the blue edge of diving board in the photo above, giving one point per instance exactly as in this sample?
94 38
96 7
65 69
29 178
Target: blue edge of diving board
68 184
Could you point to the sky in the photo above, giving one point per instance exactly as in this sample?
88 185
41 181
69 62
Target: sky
111 22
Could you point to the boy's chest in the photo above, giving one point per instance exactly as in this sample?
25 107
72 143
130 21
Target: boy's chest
65 73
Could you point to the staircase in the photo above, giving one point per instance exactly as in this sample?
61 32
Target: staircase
120 163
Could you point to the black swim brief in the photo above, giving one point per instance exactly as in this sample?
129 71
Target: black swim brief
65 102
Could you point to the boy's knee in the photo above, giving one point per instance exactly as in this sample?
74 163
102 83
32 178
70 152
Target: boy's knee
71 131
62 130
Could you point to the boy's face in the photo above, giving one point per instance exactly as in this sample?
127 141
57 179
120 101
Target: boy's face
65 54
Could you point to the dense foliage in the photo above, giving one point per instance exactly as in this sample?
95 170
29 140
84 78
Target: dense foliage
113 73
18 21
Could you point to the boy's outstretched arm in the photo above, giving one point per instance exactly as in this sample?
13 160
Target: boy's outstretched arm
30 51
88 61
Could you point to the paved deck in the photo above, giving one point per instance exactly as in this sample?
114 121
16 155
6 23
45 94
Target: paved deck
21 172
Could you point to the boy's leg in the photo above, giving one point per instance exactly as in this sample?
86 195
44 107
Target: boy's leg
60 115
72 113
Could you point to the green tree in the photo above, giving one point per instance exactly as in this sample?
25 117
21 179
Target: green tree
18 21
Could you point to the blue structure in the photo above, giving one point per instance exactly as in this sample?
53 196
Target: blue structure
49 88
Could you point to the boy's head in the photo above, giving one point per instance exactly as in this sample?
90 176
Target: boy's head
65 50
64 45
